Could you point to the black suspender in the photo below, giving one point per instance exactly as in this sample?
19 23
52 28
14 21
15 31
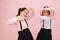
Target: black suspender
26 22
21 24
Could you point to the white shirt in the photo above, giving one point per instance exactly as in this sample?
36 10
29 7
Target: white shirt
46 22
15 22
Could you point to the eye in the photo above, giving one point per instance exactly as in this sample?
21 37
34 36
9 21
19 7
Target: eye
26 12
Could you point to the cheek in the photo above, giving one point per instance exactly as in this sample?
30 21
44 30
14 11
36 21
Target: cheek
47 13
44 13
23 13
26 13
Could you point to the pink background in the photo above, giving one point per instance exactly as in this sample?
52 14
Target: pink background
9 8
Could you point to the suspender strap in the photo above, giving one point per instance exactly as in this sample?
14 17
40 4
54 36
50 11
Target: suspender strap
26 22
20 25
43 23
50 23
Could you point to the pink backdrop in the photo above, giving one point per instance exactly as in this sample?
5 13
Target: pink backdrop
9 8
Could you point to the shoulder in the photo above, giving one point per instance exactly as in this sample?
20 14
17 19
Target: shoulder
45 17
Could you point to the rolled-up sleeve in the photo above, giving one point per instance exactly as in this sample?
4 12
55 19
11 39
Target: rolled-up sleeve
12 20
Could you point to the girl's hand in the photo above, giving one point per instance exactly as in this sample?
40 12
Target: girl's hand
52 15
31 11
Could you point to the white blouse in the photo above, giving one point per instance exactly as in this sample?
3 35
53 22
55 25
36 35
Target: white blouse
15 22
46 22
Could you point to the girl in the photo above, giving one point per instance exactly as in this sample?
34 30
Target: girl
46 21
21 23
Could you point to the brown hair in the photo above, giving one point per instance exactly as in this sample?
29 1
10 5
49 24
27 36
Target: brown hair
20 10
46 10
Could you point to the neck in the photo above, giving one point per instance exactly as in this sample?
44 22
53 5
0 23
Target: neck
21 15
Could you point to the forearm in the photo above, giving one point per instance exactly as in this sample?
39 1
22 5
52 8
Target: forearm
12 21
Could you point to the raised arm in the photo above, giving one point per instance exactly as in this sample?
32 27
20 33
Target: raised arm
30 14
52 15
12 20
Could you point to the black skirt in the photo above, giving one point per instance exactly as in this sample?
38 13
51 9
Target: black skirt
44 34
19 35
25 35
